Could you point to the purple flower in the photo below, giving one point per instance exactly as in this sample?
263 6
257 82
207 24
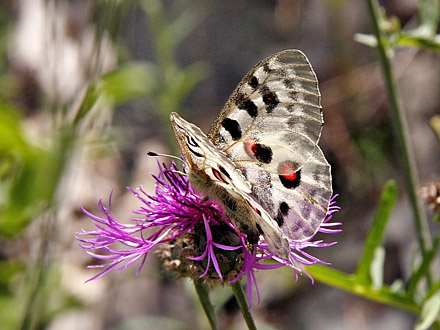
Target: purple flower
191 234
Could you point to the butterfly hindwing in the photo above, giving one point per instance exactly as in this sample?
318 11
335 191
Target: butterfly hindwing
270 128
273 116
300 206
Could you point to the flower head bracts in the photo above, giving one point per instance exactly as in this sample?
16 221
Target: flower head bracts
192 236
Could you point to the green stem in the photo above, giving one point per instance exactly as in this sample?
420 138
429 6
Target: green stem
241 299
402 132
203 294
34 305
36 281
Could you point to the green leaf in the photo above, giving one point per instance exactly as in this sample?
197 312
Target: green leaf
433 289
31 190
134 79
430 312
23 189
416 39
11 133
20 202
377 231
187 78
8 269
178 83
423 269
9 315
385 295
332 277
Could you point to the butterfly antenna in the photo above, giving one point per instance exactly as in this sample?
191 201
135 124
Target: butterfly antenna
155 154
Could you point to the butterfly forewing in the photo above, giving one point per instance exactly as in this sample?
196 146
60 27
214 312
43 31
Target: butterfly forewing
277 100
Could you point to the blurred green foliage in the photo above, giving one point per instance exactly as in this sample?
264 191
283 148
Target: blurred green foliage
32 168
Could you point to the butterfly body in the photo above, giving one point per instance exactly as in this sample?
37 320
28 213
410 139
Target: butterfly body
260 158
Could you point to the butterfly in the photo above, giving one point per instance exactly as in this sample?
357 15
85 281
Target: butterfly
260 158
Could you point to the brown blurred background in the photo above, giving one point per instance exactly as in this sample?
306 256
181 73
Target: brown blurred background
229 37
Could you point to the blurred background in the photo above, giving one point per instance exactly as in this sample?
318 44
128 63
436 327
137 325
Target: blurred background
86 88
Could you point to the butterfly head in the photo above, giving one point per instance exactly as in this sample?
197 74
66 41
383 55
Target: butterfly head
189 139
207 166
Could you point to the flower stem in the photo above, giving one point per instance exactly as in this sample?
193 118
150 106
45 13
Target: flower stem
203 294
241 299
402 132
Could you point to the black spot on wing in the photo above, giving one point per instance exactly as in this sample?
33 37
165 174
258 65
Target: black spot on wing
232 127
282 72
284 208
279 219
262 153
271 100
253 82
250 108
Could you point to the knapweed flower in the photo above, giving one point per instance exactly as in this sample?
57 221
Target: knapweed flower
191 235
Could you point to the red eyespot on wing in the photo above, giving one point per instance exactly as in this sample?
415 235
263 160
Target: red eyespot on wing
289 176
261 152
217 175
251 147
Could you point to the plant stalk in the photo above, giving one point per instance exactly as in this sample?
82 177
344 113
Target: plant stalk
242 303
203 294
402 132
34 306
